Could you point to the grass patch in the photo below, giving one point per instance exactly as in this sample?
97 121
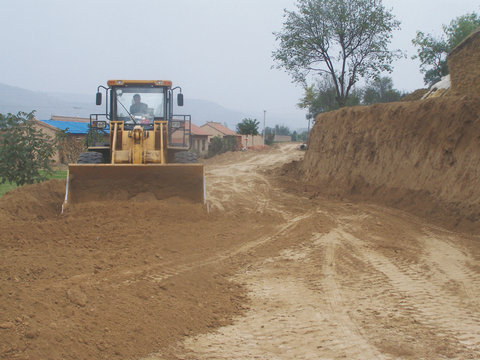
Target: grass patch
6 187
56 174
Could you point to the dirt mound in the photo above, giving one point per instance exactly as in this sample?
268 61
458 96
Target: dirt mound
259 147
37 201
416 95
464 66
423 156
112 279
231 156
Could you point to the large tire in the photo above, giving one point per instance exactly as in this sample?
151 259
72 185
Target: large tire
185 157
91 157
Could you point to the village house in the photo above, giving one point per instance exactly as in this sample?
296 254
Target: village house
249 141
282 138
214 129
199 140
76 130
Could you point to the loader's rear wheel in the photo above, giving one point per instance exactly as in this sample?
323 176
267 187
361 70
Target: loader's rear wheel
91 157
185 157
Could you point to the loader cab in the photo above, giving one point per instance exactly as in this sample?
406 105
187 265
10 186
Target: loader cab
139 104
144 103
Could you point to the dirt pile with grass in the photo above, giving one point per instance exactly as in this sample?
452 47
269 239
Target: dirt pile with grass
422 156
39 201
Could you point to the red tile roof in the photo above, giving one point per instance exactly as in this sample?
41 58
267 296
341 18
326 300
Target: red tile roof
195 130
219 127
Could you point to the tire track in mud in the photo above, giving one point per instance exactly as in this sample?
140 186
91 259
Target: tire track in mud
337 294
303 306
242 183
233 184
357 346
161 272
228 186
452 268
426 301
287 319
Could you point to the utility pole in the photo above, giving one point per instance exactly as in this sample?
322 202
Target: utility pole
264 115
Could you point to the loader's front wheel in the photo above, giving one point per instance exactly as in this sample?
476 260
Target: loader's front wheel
185 157
91 157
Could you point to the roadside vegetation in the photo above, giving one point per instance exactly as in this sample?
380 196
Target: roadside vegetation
331 47
55 174
25 152
219 145
342 42
433 50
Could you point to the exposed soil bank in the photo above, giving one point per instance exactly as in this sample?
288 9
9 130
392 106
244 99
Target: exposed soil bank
422 156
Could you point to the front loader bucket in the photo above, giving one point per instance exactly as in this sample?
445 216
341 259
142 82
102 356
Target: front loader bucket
97 182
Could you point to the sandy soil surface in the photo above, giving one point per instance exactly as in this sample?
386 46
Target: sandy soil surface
273 271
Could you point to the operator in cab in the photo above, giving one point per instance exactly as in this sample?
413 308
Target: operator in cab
138 107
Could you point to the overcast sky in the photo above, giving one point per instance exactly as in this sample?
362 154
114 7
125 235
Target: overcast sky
217 50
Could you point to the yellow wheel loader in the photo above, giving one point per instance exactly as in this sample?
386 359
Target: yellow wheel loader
137 149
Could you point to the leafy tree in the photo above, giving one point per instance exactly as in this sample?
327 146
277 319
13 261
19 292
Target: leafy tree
219 145
346 40
269 130
433 51
68 148
294 136
269 135
380 91
282 130
248 127
321 97
24 150
460 27
302 136
355 97
94 136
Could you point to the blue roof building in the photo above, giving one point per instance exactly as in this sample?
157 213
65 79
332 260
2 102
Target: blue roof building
73 127
76 127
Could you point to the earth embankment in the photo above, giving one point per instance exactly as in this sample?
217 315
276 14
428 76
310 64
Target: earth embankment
422 156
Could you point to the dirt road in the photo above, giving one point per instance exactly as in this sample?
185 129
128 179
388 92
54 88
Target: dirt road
270 273
337 280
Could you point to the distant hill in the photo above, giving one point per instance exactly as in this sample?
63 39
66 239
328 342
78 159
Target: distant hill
203 111
14 99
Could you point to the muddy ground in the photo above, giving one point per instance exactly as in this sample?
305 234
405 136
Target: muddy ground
273 271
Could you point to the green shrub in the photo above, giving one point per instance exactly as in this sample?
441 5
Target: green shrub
219 145
24 150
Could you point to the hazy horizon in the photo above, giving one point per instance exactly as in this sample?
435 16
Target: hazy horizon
216 50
